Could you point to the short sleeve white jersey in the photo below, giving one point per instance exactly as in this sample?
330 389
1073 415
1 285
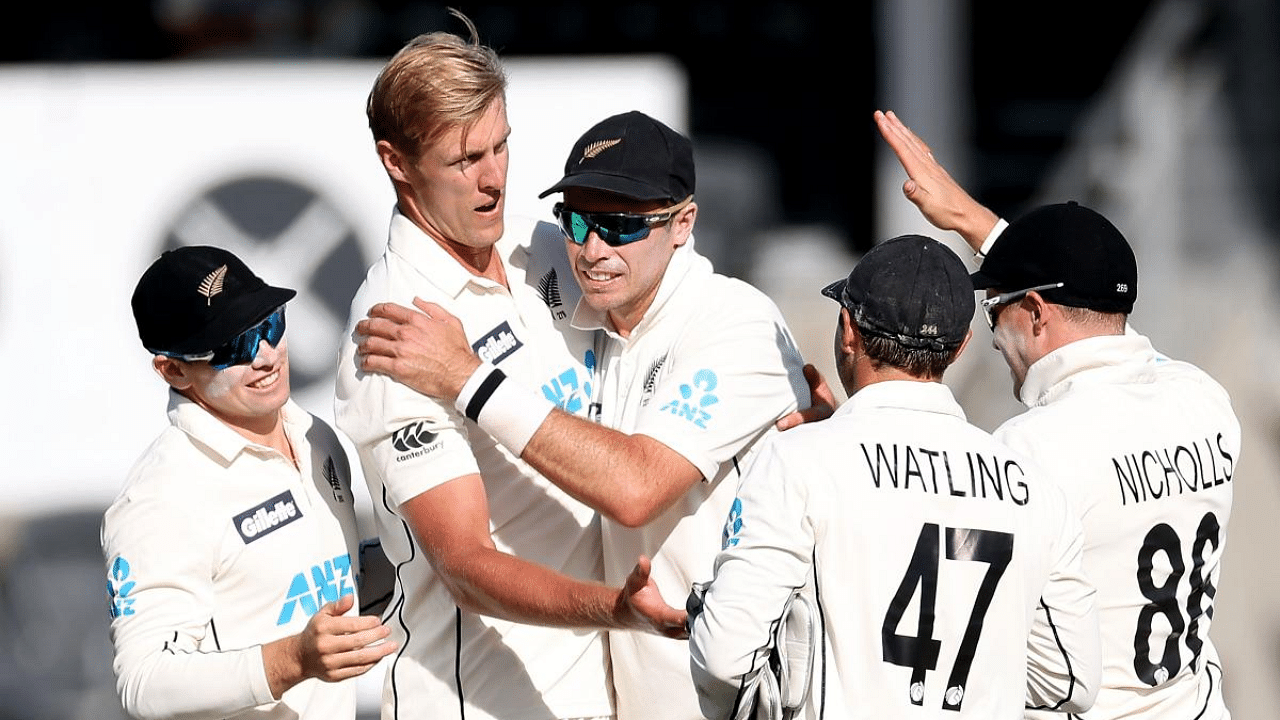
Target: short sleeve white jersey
453 662
1145 449
216 546
945 570
706 372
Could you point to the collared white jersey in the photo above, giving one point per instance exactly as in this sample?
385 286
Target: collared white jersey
1145 448
946 571
706 372
216 546
453 663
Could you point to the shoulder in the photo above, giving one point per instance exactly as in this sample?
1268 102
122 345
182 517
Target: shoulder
172 480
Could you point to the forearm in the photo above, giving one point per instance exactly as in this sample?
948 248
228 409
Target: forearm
497 584
192 685
628 478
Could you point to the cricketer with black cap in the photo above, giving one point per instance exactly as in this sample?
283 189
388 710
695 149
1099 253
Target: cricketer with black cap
1144 446
232 552
693 369
897 501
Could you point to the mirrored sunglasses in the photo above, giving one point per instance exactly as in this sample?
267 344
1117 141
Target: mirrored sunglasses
615 229
243 348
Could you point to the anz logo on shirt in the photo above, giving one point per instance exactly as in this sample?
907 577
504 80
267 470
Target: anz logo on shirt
312 589
695 399
120 585
571 391
732 526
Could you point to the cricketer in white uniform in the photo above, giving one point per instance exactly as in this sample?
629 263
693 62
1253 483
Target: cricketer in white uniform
499 602
452 660
944 568
694 368
1145 447
227 537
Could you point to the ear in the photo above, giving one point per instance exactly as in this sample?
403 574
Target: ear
173 371
851 344
1039 310
393 161
682 224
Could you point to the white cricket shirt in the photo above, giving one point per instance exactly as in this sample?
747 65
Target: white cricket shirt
453 663
216 546
1145 448
932 552
707 372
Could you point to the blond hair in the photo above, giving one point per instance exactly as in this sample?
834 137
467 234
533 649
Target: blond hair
435 83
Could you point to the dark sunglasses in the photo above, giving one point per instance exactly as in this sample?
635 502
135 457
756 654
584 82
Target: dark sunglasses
615 229
991 306
243 348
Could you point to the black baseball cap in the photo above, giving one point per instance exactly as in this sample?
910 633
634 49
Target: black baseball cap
911 289
194 299
1066 243
631 155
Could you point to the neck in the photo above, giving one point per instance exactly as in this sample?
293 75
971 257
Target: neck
482 262
867 373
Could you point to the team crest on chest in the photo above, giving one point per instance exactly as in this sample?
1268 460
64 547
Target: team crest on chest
549 289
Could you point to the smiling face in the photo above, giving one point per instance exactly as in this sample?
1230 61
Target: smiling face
455 189
623 281
246 397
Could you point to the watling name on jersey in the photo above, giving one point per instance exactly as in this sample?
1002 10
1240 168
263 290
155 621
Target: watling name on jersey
934 471
1167 472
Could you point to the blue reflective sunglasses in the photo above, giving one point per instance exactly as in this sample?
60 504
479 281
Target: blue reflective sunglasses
243 348
615 229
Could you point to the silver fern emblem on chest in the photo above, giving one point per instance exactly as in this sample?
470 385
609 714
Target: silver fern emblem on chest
212 284
651 377
549 289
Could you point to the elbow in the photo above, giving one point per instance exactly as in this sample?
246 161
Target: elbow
136 703
633 509
1083 693
716 685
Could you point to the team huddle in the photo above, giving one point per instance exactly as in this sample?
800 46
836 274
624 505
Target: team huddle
608 485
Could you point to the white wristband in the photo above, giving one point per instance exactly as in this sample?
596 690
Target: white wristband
502 408
470 387
990 240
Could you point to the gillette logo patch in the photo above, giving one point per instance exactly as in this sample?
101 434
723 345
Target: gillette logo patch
499 343
268 517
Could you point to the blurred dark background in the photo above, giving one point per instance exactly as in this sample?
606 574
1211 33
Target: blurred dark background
796 80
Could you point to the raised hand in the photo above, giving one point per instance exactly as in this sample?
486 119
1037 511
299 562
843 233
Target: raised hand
931 188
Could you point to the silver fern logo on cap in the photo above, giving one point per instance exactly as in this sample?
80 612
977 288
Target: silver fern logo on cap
212 284
598 147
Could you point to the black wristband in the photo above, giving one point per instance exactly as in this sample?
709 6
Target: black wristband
483 393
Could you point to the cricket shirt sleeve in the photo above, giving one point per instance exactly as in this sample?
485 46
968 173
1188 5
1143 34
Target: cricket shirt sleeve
1064 652
767 553
407 443
161 559
732 374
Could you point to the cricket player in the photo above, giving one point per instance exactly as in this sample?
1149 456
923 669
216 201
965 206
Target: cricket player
694 368
499 601
232 550
1144 446
944 568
